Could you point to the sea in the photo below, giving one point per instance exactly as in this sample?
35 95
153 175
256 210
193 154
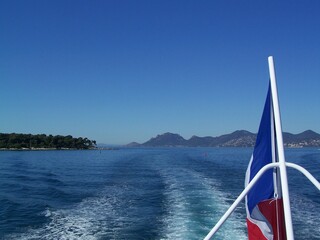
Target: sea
137 193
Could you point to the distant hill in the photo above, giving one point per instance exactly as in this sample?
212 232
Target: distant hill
240 138
166 139
305 139
133 144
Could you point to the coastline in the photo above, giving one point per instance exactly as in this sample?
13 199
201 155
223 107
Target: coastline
42 149
55 149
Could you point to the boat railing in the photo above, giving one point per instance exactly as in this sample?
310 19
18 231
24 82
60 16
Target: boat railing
308 175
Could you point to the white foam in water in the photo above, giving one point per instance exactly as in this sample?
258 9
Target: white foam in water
193 204
176 221
86 221
183 221
78 223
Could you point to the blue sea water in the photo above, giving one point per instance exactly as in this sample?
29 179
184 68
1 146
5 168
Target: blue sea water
168 193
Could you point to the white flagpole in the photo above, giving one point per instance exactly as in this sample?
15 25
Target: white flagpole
282 161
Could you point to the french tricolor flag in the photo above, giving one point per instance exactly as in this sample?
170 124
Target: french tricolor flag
265 217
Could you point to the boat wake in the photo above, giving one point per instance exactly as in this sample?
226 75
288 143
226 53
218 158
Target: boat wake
150 202
194 204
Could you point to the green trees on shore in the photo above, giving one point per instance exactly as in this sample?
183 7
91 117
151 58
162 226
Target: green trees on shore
30 141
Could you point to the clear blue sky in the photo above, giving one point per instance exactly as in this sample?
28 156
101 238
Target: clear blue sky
122 71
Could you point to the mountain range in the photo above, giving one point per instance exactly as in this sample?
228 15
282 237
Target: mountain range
240 138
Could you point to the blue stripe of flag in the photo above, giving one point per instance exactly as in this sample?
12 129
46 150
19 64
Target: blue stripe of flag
262 155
